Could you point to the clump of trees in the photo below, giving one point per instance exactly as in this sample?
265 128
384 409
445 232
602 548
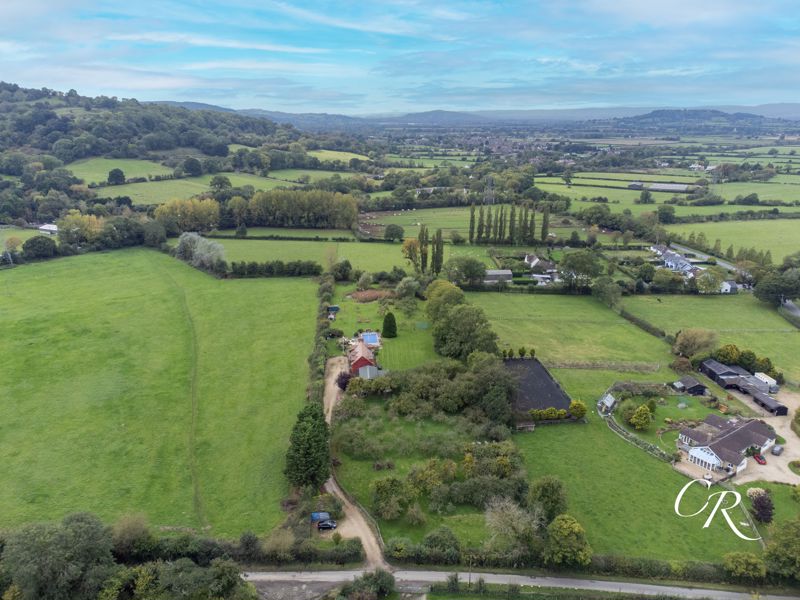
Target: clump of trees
193 214
731 354
275 268
201 253
82 559
316 209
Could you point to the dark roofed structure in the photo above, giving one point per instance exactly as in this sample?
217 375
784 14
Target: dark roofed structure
536 387
722 444
690 385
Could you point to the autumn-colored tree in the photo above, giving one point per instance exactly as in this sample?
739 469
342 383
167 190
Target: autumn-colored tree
411 252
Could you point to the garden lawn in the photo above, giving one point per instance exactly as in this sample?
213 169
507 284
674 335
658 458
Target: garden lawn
738 319
134 383
95 170
413 345
781 237
623 496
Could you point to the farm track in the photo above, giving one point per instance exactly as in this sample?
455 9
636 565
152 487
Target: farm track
355 522
197 498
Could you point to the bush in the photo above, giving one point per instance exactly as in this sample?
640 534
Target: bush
132 540
744 566
39 247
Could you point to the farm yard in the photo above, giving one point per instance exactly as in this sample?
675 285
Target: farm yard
738 319
781 237
133 391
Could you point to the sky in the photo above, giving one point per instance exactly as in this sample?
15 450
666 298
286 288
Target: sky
408 55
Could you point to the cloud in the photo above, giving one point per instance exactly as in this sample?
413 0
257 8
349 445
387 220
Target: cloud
385 25
317 69
166 37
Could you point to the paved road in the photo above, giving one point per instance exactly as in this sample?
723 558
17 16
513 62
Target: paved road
405 578
702 255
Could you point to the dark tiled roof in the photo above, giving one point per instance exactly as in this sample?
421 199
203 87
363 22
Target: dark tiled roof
717 367
689 382
728 438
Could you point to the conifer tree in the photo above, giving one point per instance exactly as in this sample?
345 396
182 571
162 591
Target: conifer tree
472 223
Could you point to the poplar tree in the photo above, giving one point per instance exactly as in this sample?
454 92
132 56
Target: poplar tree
545 222
531 234
487 238
481 227
512 225
423 248
437 256
472 223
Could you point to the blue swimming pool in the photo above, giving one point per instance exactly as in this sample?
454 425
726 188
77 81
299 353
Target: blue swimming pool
370 338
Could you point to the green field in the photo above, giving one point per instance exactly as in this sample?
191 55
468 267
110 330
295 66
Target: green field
628 177
781 237
134 383
95 170
739 319
336 155
569 329
620 199
158 192
289 231
430 162
362 255
23 234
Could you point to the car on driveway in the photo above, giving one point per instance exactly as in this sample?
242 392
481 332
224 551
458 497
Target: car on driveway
759 459
777 450
326 524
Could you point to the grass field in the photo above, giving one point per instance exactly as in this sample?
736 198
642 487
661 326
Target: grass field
23 234
289 231
142 385
620 199
569 329
158 192
365 256
739 319
781 237
95 170
336 155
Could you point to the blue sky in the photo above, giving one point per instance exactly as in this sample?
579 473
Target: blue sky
408 55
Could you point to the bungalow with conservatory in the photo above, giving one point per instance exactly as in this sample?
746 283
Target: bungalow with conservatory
722 445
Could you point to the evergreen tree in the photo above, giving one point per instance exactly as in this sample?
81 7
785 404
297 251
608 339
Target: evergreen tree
501 226
522 231
308 458
512 224
496 226
717 250
437 258
389 329
545 222
423 248
531 234
481 227
472 223
729 252
767 258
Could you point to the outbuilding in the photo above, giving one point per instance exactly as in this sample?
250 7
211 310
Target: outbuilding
690 385
49 229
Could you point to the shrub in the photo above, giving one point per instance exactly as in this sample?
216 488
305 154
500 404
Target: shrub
763 508
577 409
132 540
39 246
744 566
343 379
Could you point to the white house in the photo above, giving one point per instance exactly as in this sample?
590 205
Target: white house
49 229
720 444
728 287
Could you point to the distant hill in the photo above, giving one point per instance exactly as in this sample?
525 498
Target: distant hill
437 118
195 106
312 121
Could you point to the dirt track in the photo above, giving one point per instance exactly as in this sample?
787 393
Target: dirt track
354 523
